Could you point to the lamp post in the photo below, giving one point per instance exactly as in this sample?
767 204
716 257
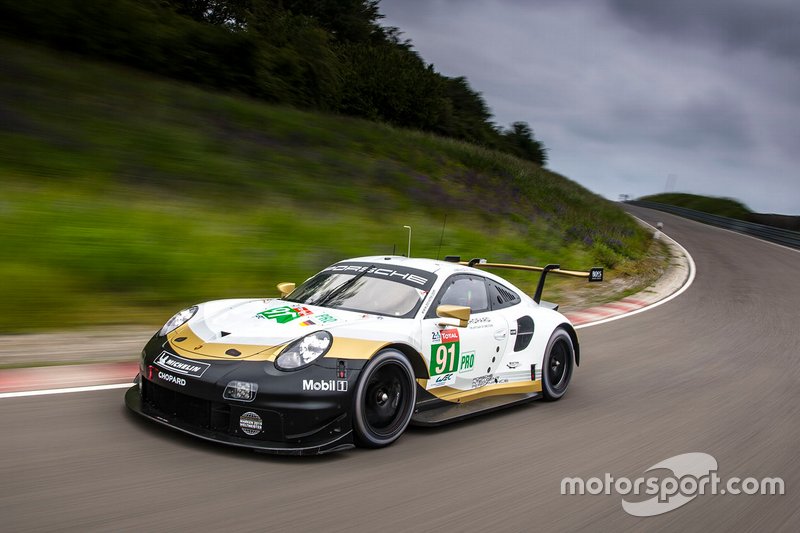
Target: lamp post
409 240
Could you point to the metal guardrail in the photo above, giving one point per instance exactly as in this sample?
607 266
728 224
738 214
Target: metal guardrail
768 233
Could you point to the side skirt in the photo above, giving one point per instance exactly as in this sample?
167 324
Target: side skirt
431 413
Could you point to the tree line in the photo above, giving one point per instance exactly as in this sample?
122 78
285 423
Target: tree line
331 55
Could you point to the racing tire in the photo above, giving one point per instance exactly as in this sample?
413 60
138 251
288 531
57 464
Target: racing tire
384 399
558 364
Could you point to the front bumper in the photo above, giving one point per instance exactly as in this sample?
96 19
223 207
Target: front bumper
305 412
341 440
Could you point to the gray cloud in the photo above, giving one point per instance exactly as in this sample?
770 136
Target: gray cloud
625 93
768 25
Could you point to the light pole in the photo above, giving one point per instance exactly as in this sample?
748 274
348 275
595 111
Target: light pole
409 240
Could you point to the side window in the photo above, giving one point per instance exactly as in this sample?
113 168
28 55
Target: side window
464 291
501 296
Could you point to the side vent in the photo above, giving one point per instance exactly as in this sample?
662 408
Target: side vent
524 333
504 295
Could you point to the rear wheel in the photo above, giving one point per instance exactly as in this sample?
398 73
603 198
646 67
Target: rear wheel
384 399
559 360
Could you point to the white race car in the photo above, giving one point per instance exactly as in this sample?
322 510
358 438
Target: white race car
355 354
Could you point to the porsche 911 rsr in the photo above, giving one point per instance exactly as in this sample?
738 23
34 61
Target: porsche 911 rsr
355 354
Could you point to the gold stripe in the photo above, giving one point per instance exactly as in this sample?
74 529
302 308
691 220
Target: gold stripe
196 348
344 348
460 396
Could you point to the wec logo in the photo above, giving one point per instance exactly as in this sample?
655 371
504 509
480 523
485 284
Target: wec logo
339 385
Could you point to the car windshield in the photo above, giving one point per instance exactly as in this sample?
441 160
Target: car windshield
365 288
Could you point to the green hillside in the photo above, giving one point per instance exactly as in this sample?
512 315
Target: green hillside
726 207
125 196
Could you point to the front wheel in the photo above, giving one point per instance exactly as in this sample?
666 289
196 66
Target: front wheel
384 399
559 360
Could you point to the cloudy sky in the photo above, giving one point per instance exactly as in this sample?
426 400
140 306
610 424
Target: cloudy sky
630 95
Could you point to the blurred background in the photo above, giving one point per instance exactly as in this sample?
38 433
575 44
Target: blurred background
158 153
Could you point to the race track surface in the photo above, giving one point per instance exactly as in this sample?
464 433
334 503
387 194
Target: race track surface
715 370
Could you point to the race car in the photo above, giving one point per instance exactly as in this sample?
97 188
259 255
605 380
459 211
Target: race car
355 354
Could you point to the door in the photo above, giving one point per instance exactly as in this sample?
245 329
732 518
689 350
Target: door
462 359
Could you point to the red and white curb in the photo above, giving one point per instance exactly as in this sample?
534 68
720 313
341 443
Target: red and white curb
66 378
593 314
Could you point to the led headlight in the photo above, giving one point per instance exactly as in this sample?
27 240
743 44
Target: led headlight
243 391
180 318
304 351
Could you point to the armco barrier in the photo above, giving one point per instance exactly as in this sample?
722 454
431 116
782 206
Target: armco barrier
768 233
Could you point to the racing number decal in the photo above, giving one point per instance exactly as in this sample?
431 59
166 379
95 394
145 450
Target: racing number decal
445 354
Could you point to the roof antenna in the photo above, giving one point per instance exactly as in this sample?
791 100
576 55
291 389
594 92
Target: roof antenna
441 240
409 240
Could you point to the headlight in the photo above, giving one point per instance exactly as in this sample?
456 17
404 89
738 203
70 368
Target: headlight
303 352
180 318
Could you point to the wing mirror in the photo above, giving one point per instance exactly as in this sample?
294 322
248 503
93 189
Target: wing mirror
286 288
453 315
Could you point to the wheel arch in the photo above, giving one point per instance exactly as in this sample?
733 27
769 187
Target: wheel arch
413 356
574 336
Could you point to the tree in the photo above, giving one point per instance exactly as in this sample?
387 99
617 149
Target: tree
520 141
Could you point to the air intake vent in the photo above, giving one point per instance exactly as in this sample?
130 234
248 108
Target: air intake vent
504 295
524 333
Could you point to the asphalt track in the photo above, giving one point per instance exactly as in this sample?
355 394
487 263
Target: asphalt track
715 370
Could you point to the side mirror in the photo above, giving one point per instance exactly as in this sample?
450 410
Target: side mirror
454 315
286 288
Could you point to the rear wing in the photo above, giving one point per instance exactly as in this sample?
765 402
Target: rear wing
593 275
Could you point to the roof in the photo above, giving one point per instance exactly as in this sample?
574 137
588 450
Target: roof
437 266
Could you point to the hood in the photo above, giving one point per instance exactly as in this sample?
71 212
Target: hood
243 329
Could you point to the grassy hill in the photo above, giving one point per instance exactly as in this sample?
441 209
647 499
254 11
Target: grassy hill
126 196
726 207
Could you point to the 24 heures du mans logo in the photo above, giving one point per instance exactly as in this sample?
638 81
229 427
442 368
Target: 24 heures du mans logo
179 365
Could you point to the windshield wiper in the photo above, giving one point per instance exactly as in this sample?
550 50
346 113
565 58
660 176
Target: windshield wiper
341 288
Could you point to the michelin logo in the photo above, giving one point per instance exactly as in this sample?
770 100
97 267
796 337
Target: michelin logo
338 385
179 365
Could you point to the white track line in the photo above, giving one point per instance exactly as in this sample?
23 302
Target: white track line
45 392
686 285
674 295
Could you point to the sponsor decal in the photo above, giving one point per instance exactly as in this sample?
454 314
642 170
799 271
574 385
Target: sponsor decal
513 332
338 385
445 354
436 337
482 381
480 322
179 365
285 313
325 318
171 379
466 362
441 381
250 423
427 303
512 364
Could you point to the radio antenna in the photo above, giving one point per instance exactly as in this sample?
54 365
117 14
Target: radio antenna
441 240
